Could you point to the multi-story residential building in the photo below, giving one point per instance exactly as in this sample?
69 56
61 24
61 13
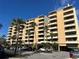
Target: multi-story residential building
62 23
29 34
64 26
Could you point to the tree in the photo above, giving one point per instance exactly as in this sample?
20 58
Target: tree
51 35
33 24
45 32
3 41
18 22
46 45
28 32
55 46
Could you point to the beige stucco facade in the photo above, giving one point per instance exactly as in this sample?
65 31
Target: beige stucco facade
62 23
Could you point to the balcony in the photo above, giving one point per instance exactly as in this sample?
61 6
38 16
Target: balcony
40 37
69 20
70 30
52 23
53 27
41 30
53 37
41 26
30 27
40 22
31 34
53 19
41 34
68 36
67 10
69 25
52 15
71 42
69 15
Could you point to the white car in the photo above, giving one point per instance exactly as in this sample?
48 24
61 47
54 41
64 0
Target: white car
42 49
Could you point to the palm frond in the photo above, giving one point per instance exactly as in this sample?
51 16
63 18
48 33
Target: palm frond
18 21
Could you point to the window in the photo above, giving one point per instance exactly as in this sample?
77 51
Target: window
41 35
41 24
71 39
10 31
41 32
41 27
69 12
53 21
31 32
15 32
69 22
67 8
20 34
70 33
55 34
20 37
31 37
25 40
53 30
30 40
55 39
41 20
54 25
31 29
40 39
53 17
69 17
70 27
25 37
72 45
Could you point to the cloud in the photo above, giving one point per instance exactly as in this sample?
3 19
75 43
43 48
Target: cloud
77 12
65 2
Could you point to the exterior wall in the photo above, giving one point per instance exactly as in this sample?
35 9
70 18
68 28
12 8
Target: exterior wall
56 25
36 31
61 31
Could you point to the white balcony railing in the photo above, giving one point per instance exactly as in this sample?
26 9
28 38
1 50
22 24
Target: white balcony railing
68 15
52 27
69 25
67 10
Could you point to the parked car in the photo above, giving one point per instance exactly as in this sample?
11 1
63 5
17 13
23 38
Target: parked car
45 50
42 49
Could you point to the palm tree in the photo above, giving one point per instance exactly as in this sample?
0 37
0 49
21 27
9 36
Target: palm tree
0 26
54 43
51 35
45 32
28 32
3 41
18 23
33 24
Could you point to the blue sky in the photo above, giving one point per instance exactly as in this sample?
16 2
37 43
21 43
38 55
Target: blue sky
26 9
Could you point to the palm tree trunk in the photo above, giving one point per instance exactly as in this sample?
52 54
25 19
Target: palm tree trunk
28 40
17 36
36 40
